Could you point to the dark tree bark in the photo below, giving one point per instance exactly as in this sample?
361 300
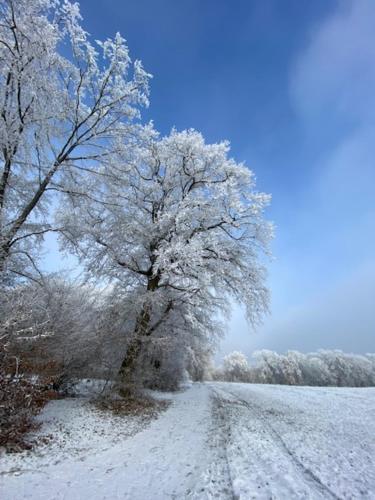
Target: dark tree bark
129 365
142 331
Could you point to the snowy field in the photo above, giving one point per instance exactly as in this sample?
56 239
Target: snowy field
216 440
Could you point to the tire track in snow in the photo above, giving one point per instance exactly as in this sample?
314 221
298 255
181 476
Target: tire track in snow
307 475
217 480
222 422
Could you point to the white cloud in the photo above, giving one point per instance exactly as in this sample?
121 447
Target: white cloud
335 74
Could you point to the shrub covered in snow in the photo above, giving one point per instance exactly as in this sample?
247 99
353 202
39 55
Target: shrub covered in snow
49 329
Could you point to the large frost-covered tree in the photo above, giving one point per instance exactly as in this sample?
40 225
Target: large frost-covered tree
65 106
180 232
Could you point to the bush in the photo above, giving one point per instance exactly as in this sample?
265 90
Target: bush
20 399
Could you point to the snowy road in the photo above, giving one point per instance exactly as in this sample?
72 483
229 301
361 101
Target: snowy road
222 441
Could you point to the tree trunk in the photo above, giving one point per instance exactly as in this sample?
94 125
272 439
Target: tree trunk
128 367
4 253
128 370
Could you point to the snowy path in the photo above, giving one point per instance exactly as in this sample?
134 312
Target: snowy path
218 440
162 461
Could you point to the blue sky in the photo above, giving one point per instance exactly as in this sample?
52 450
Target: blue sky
291 84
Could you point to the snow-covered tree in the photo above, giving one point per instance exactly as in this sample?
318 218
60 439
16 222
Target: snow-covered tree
180 232
236 368
65 106
315 371
269 366
199 363
322 368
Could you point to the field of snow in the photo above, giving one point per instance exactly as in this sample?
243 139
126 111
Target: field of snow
216 440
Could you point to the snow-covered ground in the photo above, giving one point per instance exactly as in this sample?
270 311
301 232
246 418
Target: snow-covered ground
298 442
216 440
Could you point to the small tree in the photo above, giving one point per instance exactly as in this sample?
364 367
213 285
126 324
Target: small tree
180 234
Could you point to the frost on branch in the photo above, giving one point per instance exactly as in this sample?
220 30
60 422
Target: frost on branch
61 117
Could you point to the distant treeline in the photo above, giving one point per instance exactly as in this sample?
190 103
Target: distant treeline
321 368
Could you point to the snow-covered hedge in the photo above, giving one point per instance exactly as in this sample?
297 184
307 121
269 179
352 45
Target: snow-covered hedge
321 368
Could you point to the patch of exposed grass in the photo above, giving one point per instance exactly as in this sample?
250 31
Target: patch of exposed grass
139 406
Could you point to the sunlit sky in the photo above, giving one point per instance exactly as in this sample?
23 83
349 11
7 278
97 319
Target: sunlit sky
291 84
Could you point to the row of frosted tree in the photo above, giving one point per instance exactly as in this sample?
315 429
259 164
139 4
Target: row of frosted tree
167 230
321 368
